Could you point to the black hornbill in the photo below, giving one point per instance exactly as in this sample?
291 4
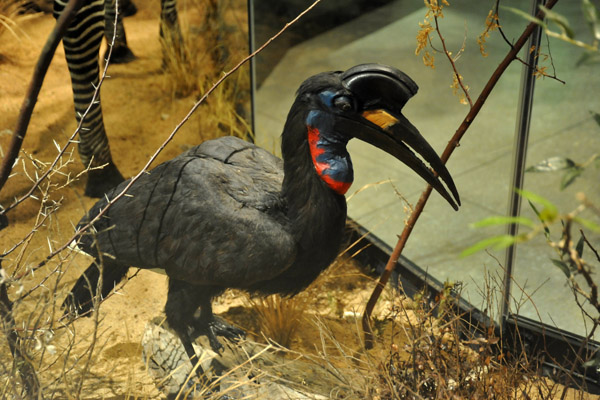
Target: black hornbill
228 214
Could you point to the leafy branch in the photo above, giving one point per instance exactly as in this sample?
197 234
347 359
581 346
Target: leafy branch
452 145
566 32
546 216
492 23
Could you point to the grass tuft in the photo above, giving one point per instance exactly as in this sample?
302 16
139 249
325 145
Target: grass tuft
279 317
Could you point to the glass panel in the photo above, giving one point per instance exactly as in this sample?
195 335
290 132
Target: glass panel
563 125
481 167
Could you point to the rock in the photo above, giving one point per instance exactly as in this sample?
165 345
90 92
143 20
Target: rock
245 370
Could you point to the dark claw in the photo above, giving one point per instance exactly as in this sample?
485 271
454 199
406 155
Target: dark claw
226 330
218 327
214 342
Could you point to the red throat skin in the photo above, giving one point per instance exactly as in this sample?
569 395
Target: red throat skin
321 166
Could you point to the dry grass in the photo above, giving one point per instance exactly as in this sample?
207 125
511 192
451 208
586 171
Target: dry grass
424 350
9 15
279 318
214 36
194 64
81 359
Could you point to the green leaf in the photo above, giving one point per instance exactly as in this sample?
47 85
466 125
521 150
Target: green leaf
590 13
552 164
579 246
548 213
559 20
535 210
496 242
562 266
570 176
586 223
498 220
525 15
591 363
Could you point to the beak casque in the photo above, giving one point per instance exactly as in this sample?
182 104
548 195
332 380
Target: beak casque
382 92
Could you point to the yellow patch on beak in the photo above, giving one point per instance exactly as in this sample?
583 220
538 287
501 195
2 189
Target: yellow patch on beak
381 118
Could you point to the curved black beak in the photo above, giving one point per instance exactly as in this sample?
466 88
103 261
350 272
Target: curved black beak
382 92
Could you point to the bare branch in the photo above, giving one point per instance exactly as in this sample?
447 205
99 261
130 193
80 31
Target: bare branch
35 86
497 12
22 364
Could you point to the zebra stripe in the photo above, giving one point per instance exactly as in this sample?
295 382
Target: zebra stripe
81 43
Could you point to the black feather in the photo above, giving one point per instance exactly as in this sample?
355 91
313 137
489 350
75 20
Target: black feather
228 214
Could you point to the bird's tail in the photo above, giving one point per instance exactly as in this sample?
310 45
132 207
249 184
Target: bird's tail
80 299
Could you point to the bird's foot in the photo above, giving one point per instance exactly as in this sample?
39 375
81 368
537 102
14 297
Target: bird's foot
217 327
228 331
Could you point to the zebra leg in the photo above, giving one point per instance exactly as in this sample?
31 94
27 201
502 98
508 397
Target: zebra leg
121 54
170 33
215 35
81 43
127 8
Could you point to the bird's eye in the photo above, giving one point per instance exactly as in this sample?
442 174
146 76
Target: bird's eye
343 103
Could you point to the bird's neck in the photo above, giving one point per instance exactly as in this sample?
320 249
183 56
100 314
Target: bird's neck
328 153
317 171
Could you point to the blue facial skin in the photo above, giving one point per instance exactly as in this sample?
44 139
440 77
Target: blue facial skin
331 143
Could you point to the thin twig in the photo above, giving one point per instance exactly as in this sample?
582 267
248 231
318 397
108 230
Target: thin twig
24 367
452 63
22 364
585 239
452 144
71 138
497 8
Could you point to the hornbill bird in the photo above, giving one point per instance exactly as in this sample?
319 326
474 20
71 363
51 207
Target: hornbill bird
228 214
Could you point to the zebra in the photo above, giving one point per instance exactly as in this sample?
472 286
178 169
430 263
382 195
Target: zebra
81 42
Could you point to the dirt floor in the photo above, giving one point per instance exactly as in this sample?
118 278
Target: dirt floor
140 110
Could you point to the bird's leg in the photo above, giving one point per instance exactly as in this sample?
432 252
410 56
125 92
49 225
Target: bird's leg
189 349
182 302
211 326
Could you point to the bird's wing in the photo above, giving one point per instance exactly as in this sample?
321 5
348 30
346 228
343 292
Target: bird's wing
254 176
212 216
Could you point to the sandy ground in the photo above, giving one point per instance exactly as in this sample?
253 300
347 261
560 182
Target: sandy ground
139 112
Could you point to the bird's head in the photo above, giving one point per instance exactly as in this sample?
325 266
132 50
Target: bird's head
364 102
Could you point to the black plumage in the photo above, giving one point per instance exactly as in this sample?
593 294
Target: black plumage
227 214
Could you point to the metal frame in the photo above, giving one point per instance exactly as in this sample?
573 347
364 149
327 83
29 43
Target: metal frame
520 153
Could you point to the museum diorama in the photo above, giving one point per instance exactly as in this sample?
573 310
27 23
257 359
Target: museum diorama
228 199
